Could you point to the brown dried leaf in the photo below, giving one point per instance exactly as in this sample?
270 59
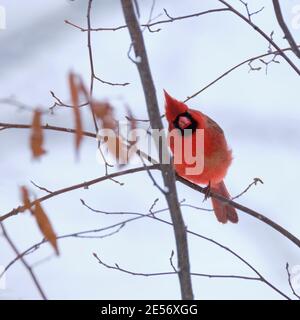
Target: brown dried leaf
74 89
45 225
36 138
101 109
115 143
25 198
104 112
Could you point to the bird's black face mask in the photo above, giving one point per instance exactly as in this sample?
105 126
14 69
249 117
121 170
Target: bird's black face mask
185 121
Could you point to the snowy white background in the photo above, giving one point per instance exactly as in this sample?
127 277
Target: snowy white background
260 115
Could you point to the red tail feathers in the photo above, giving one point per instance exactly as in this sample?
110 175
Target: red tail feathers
223 211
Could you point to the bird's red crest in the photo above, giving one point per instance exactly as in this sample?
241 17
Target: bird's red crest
173 107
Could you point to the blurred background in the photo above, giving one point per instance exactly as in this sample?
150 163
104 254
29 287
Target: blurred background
259 113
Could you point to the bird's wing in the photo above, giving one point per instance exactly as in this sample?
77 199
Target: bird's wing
212 123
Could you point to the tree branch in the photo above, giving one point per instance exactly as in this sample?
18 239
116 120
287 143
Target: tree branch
263 34
236 67
249 211
78 186
290 281
26 265
166 273
152 24
89 44
285 29
189 184
166 169
153 216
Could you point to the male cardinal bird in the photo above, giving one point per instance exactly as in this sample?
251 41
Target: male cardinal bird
217 155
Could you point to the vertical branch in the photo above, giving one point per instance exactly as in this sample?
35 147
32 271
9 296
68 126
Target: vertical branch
285 29
166 169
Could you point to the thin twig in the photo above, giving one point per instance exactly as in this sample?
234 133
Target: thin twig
253 183
267 63
171 261
58 102
101 236
153 205
106 163
250 14
153 212
234 68
149 25
89 41
269 45
41 188
290 281
154 274
251 68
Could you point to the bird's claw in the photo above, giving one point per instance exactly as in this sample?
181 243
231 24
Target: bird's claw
207 190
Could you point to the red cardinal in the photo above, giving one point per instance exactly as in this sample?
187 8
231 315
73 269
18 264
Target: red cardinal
217 155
